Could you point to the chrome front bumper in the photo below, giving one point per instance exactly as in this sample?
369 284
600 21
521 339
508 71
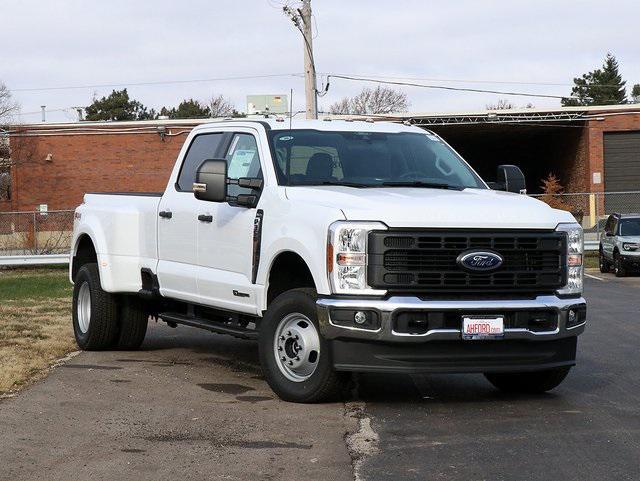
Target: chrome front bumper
387 308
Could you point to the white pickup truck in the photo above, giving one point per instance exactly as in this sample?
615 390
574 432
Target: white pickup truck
339 246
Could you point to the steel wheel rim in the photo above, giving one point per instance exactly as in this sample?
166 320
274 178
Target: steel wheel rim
296 347
84 308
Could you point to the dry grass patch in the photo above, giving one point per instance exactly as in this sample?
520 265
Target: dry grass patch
35 331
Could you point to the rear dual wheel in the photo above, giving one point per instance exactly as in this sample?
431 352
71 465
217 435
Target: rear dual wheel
104 321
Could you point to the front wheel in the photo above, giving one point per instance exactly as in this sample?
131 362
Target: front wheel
294 356
618 266
528 382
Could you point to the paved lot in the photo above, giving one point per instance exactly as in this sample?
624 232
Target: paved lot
460 428
192 405
189 406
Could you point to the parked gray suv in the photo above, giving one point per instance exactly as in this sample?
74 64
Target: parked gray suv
620 244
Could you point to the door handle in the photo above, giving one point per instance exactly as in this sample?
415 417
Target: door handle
205 218
165 214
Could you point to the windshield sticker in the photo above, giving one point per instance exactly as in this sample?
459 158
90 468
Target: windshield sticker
285 138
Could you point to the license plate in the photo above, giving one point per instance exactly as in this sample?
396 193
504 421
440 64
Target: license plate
482 327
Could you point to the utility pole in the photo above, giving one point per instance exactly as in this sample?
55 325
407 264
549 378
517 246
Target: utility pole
309 65
301 18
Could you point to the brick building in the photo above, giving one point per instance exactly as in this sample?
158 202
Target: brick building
55 164
591 149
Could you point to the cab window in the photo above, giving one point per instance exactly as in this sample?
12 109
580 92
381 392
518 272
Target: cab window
243 160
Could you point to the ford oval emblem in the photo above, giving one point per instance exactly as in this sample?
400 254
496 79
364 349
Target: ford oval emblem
479 261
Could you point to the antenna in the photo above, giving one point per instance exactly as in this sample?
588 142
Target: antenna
290 107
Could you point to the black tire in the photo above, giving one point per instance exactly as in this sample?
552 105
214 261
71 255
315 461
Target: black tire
325 383
618 265
134 317
528 382
102 330
604 264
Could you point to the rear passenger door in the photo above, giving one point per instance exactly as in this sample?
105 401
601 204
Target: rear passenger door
178 222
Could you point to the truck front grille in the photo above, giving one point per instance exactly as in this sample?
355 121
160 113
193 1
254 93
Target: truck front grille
426 261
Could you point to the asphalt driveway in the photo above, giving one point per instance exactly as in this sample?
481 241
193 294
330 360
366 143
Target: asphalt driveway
193 405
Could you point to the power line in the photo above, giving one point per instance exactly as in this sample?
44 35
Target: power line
470 81
443 87
159 82
337 75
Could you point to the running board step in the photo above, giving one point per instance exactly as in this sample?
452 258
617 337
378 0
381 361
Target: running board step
212 326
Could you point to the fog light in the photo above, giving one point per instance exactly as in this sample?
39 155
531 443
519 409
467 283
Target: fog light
576 316
360 317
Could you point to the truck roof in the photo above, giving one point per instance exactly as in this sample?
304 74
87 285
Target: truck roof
282 123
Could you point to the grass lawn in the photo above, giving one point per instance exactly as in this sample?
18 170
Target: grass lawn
591 260
35 323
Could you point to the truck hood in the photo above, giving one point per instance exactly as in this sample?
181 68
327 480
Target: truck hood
424 207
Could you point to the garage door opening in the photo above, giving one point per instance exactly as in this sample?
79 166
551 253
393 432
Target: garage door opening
538 149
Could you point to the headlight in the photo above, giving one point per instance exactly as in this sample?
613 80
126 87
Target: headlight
630 246
347 257
575 251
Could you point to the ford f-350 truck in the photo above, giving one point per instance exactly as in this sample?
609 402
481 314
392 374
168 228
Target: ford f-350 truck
339 246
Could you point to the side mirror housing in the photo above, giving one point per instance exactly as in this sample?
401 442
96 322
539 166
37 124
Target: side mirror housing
211 181
511 179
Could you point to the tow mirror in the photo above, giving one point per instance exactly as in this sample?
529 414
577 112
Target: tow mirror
511 179
211 181
211 184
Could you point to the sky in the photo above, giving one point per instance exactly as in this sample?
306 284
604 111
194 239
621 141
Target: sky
511 45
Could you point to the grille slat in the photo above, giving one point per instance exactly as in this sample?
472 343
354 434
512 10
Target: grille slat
426 261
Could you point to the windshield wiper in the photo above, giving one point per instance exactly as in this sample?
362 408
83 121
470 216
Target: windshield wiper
339 183
419 183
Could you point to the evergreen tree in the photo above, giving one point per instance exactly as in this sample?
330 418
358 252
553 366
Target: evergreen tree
635 94
187 109
602 86
118 106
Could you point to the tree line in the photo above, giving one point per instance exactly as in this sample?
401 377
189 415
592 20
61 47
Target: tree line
119 106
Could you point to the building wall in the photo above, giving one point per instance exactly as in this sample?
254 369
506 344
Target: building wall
596 129
88 162
97 159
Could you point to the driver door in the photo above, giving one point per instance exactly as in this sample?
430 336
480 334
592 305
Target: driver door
225 240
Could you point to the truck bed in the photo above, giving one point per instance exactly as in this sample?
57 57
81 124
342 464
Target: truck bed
134 216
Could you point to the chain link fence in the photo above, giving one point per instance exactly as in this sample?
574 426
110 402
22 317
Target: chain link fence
27 234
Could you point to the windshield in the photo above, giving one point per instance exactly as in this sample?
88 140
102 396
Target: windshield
369 159
630 227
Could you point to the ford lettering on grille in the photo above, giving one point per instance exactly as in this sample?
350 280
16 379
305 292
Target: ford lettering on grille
479 261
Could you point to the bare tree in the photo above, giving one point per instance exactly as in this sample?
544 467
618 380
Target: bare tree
7 108
381 100
7 105
504 104
219 106
501 104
